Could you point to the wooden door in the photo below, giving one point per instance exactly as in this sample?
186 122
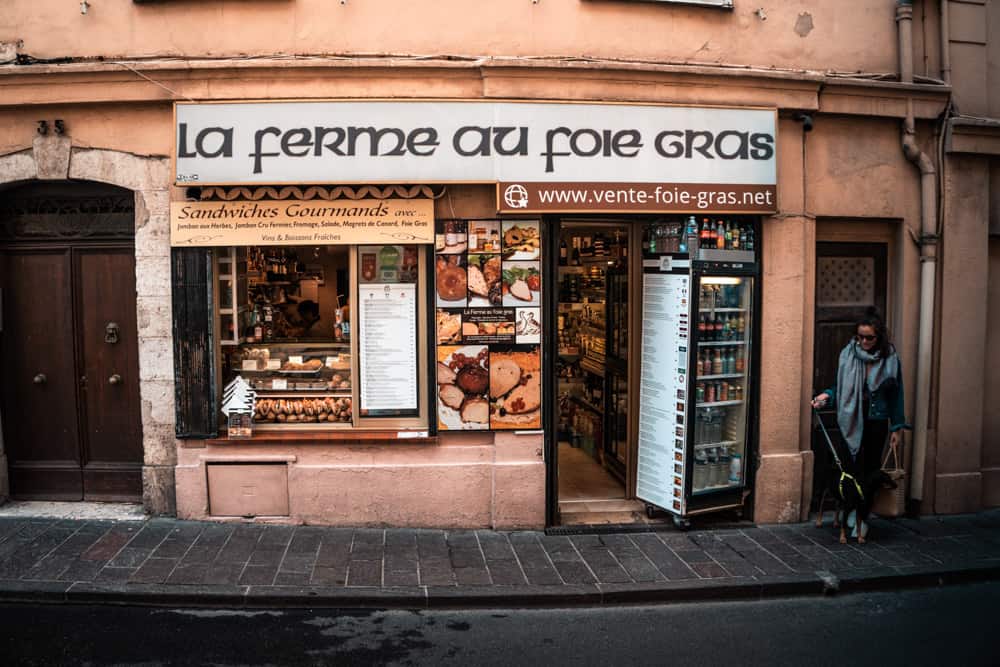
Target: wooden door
39 390
850 278
70 398
107 339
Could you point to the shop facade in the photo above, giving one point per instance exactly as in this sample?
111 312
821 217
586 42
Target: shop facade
837 233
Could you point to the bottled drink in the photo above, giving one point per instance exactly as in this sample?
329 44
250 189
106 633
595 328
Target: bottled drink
729 236
727 331
736 236
738 363
563 252
575 259
724 391
750 238
691 235
710 392
718 329
720 235
717 363
700 393
702 327
713 235
705 236
731 361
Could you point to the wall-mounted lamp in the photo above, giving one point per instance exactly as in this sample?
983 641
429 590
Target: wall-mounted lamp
43 127
805 119
84 6
60 126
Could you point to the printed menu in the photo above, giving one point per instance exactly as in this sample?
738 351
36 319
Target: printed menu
488 294
387 323
663 390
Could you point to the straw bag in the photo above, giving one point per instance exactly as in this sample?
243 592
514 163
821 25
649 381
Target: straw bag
891 502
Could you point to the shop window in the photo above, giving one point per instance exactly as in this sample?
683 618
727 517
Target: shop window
329 337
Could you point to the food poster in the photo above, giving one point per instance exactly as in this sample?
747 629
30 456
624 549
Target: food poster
488 297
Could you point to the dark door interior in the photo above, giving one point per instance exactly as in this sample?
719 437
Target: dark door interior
850 278
69 343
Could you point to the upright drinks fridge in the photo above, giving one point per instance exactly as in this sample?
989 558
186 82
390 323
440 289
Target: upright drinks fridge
697 403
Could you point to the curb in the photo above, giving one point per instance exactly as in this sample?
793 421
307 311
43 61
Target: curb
479 597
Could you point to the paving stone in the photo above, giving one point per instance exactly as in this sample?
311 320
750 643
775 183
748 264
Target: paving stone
739 567
198 554
292 578
334 554
152 533
188 574
472 576
709 570
176 543
237 550
692 556
364 573
431 544
640 569
436 572
367 544
466 558
114 574
305 540
765 562
462 539
214 537
267 556
130 557
329 576
223 574
401 578
542 576
575 572
80 541
665 560
50 567
276 536
258 575
293 563
495 546
401 551
401 537
154 571
505 572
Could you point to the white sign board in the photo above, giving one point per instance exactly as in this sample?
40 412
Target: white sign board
387 331
663 390
465 141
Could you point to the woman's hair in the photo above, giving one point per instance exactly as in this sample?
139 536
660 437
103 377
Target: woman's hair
873 319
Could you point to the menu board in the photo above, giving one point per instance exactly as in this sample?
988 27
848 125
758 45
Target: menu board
387 331
663 390
488 292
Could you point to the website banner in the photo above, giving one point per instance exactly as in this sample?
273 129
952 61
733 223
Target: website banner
527 197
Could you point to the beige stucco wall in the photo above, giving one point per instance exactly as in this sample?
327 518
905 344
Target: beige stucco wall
792 34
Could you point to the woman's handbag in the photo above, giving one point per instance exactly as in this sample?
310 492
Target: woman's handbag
891 502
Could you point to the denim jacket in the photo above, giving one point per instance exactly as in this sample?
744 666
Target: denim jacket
886 402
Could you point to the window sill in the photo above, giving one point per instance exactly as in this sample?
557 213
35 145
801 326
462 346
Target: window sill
329 438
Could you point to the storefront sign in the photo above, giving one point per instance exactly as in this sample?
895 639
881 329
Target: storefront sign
268 222
514 143
551 197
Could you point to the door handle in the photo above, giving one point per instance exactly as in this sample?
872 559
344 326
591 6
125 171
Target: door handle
40 379
115 379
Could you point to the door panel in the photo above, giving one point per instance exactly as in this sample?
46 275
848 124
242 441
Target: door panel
40 384
112 446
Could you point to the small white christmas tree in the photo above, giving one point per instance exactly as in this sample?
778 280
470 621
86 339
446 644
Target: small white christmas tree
238 400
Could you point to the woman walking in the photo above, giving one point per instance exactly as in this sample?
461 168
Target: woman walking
868 396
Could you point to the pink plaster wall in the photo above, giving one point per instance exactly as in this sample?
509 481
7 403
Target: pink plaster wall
461 482
796 34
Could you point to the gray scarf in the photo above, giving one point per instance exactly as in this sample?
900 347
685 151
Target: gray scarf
850 388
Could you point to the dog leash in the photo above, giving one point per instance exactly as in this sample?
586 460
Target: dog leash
833 450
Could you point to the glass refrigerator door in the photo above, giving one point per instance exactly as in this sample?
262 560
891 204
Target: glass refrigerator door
722 365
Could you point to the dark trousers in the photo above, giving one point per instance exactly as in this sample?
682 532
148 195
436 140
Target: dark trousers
867 466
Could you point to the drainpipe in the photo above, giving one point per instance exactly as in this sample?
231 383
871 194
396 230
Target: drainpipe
945 44
928 252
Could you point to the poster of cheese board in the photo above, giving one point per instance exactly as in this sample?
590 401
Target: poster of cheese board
488 292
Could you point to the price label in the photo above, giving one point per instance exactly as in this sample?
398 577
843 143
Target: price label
665 263
273 364
295 358
330 361
279 383
249 364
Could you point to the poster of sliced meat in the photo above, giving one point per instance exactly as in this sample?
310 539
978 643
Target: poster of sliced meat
488 291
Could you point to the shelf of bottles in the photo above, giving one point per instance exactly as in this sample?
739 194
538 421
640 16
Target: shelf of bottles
722 381
231 293
716 239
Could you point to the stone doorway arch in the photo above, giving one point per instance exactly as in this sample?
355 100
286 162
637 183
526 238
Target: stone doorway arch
52 158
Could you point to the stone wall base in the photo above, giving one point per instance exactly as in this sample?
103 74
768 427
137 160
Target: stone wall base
158 490
958 493
779 488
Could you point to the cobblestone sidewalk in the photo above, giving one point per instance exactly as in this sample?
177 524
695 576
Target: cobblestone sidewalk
185 562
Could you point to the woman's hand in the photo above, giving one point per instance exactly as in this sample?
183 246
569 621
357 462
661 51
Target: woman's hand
820 400
894 439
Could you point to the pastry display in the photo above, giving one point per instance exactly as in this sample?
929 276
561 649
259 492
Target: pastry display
303 410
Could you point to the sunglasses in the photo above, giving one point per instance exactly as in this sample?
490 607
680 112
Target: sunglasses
866 339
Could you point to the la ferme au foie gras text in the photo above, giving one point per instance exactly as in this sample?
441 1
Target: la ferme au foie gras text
474 141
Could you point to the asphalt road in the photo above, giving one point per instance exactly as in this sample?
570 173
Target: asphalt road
953 626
